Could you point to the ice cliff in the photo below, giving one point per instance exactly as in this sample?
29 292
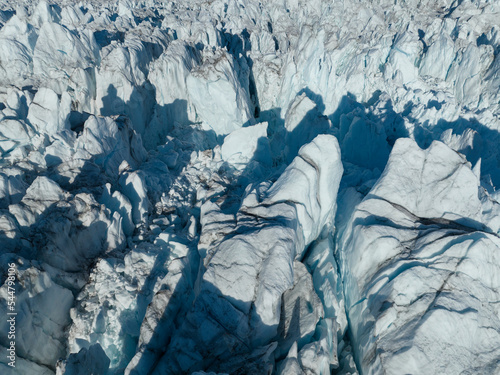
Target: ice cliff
243 187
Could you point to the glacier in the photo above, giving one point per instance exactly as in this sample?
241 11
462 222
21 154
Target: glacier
244 187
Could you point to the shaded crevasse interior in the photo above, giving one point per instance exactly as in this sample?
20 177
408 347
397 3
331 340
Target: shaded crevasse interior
239 187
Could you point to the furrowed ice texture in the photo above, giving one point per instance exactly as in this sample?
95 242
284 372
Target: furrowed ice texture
282 187
420 271
237 310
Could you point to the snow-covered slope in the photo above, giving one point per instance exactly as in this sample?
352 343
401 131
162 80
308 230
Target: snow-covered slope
245 187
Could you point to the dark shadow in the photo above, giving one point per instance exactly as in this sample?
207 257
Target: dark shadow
77 120
154 49
211 334
316 98
407 109
171 115
276 133
421 36
139 108
52 160
435 104
112 104
105 37
393 124
5 16
312 124
21 112
346 105
30 88
482 40
452 9
239 46
288 333
56 11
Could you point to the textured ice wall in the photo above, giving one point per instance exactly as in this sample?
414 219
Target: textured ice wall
420 263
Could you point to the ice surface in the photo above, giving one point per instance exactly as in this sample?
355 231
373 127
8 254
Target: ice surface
310 183
251 187
220 75
247 144
39 326
416 266
59 53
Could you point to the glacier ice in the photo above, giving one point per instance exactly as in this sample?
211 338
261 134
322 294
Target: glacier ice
415 265
40 327
250 187
246 144
238 305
